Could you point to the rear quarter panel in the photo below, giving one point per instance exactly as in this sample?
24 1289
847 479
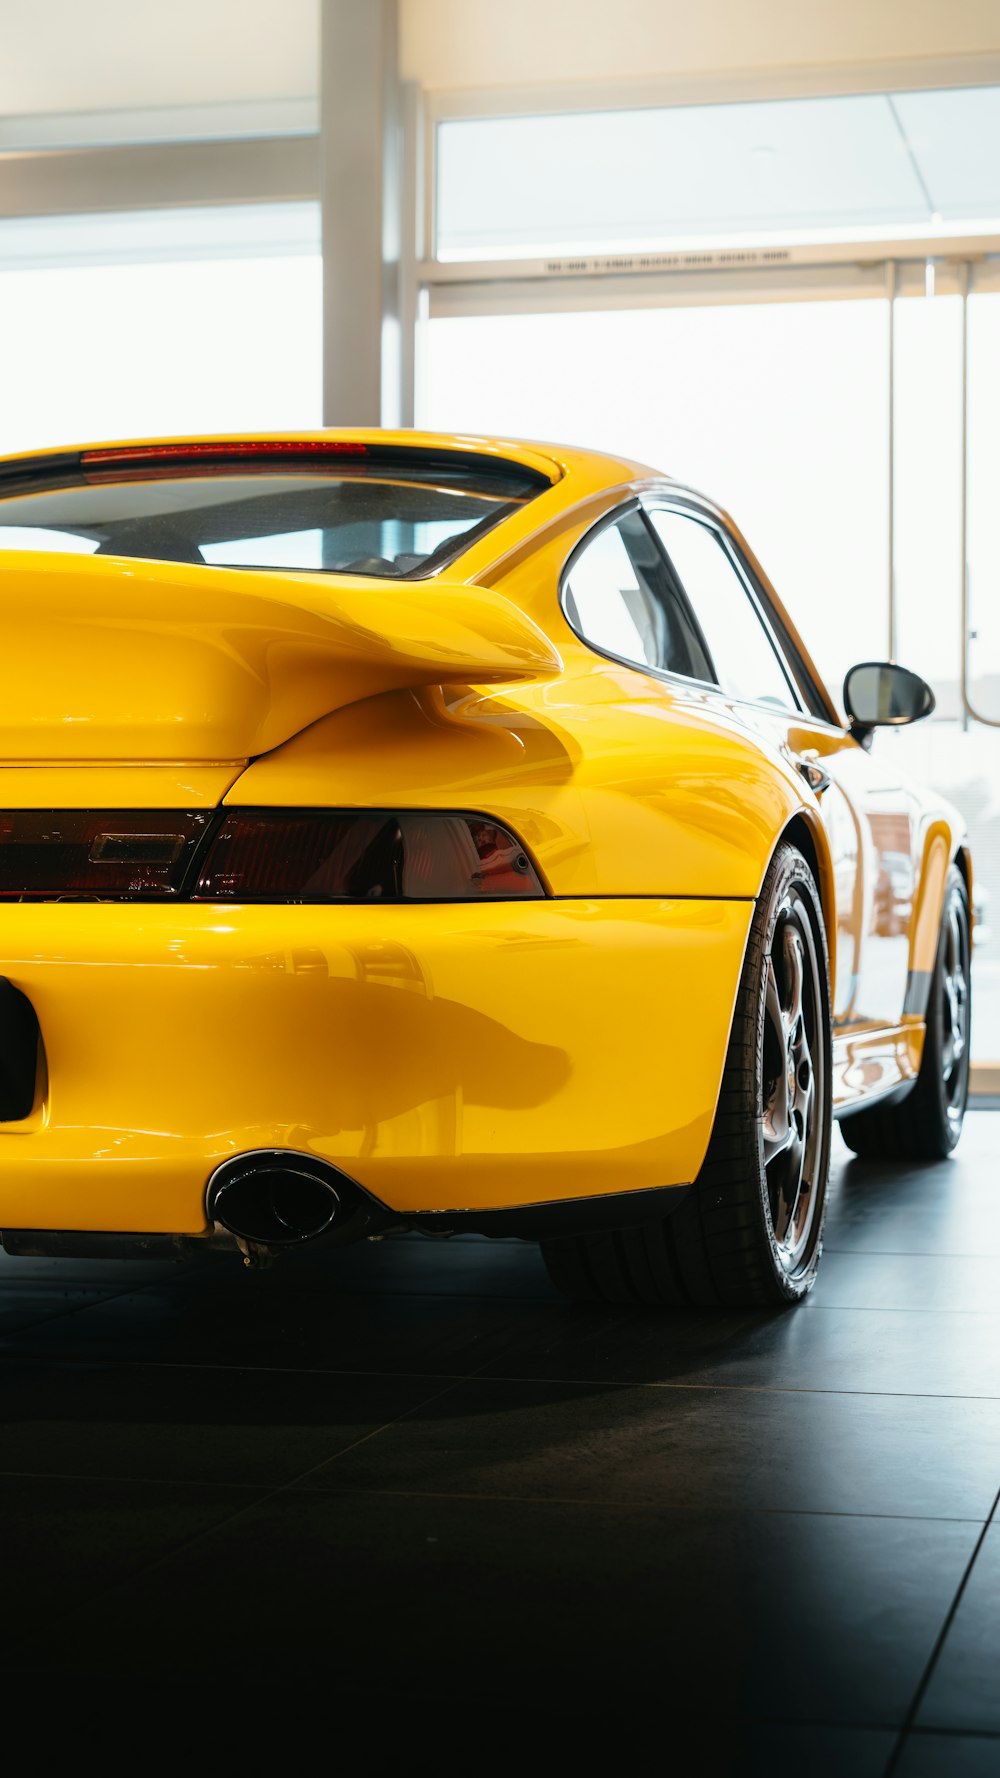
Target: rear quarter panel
620 783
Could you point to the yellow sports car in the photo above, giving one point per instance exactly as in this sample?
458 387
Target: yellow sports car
402 831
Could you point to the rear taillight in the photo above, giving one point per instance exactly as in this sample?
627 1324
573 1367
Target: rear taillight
270 855
80 852
363 855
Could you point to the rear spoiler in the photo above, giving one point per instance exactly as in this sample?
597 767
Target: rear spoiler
111 658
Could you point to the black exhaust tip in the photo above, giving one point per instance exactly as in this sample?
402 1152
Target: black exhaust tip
277 1198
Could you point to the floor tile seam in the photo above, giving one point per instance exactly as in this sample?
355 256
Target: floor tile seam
244 1369
816 1306
100 1302
367 1437
937 1650
876 1725
443 1296
261 1499
112 1366
400 1294
435 1296
73 1281
98 1299
415 1408
896 1309
890 1252
929 1253
75 1367
737 1388
103 1476
952 1733
34 1641
628 1506
731 1724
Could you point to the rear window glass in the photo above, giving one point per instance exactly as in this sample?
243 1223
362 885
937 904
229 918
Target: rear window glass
375 512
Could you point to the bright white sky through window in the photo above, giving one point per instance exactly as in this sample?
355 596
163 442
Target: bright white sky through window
779 412
226 337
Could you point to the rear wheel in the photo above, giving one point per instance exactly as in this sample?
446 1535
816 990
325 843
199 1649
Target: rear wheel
749 1231
926 1125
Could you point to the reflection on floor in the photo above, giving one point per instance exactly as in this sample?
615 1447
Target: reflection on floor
413 1470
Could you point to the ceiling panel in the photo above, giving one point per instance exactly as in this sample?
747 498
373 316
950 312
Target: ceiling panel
955 140
597 181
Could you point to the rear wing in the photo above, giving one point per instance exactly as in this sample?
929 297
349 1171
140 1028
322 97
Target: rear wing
112 658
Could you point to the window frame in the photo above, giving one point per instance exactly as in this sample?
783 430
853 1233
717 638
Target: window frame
808 693
815 700
613 517
689 508
681 500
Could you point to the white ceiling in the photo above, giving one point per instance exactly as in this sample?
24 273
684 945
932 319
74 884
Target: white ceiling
78 56
60 56
496 43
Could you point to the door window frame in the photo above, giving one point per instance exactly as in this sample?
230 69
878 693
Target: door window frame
812 697
688 504
633 505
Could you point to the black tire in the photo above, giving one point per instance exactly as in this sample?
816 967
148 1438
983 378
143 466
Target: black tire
746 1234
926 1125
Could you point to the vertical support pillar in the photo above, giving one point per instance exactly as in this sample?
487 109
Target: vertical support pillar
412 299
890 283
361 143
965 281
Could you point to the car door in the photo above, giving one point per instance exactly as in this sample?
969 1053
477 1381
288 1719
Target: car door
867 812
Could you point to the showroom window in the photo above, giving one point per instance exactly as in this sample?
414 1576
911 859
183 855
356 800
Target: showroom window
777 410
160 322
792 305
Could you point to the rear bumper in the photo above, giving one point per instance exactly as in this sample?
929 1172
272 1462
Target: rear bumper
455 1058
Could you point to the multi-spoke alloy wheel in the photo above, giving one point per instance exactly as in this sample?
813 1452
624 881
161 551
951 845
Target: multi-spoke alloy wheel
955 1007
926 1125
794 1087
749 1232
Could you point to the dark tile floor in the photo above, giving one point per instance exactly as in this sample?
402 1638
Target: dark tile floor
410 1473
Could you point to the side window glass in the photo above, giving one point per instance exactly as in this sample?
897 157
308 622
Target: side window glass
746 662
619 596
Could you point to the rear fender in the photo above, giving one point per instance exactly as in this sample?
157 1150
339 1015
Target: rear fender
810 836
941 848
644 798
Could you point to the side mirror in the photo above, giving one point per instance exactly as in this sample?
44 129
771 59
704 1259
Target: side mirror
878 694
